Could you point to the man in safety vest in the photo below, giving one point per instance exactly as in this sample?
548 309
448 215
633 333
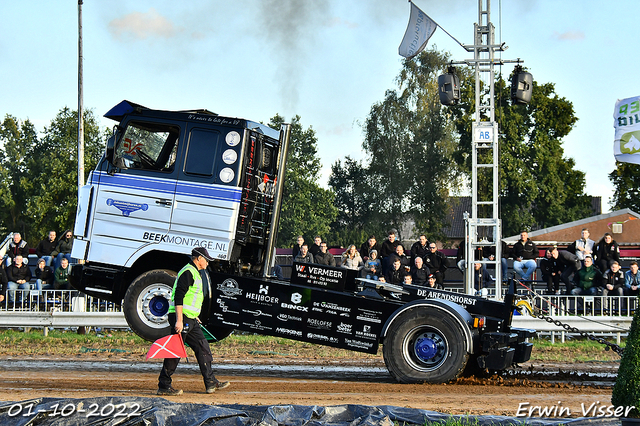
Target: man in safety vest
186 301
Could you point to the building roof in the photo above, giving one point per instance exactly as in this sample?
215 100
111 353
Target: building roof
576 223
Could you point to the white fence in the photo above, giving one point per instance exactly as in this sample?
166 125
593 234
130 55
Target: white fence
59 308
607 316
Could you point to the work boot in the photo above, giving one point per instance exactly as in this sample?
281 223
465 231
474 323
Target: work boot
169 392
217 385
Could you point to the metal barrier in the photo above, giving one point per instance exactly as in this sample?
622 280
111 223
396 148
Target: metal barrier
59 308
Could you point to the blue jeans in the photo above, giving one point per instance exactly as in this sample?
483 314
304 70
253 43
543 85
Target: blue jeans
591 291
519 266
15 286
47 260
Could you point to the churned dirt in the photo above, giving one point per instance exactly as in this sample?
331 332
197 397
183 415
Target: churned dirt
475 396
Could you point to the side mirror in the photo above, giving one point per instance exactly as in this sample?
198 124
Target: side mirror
111 145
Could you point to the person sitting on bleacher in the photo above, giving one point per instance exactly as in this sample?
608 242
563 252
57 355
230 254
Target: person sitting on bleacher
632 279
587 280
613 281
19 276
525 253
63 248
482 280
3 285
44 276
46 247
17 246
61 276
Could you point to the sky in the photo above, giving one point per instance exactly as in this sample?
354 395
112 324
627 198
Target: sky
327 61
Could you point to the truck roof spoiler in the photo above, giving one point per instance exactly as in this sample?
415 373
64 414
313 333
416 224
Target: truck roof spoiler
126 107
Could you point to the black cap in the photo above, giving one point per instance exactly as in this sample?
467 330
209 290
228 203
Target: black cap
201 251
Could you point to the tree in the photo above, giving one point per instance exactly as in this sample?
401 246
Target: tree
53 171
307 208
539 187
410 141
15 138
355 193
626 181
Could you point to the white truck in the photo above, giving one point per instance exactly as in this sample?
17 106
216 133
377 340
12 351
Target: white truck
174 180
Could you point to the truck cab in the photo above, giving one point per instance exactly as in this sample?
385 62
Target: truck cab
171 181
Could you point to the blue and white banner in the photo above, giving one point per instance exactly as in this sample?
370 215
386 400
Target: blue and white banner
419 30
626 121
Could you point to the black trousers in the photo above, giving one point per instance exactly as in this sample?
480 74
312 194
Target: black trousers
193 337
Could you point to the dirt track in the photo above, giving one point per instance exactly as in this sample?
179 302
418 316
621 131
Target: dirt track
467 396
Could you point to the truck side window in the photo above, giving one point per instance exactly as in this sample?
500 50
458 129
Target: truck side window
148 146
202 152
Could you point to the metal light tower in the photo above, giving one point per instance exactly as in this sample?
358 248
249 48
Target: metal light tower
483 225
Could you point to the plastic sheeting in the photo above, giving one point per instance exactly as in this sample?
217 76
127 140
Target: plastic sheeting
137 411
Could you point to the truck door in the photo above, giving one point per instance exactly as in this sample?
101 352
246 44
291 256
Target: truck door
134 201
207 194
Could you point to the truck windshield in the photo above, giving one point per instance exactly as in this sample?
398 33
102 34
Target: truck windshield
149 146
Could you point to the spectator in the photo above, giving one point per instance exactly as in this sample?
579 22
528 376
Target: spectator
63 248
405 260
583 246
632 279
489 253
551 271
351 259
587 279
372 267
525 253
315 247
17 246
431 282
304 256
46 247
436 261
3 285
297 246
606 252
408 280
507 252
396 274
324 257
613 281
481 280
419 272
44 276
569 263
420 248
388 248
18 275
367 246
461 259
61 276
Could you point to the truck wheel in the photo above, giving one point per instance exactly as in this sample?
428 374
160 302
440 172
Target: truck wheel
425 345
146 303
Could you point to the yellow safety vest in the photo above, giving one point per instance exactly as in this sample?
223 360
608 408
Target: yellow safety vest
192 302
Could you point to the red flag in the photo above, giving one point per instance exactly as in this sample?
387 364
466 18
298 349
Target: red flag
170 346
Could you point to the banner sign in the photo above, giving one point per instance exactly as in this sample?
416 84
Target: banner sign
626 121
319 276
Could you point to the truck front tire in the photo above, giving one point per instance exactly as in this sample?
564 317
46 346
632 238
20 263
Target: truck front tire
146 303
425 344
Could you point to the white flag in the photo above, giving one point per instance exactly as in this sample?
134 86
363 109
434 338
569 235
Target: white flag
419 30
626 121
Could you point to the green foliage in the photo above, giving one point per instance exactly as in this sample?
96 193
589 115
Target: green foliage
539 187
307 208
39 185
626 181
626 391
15 138
409 170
